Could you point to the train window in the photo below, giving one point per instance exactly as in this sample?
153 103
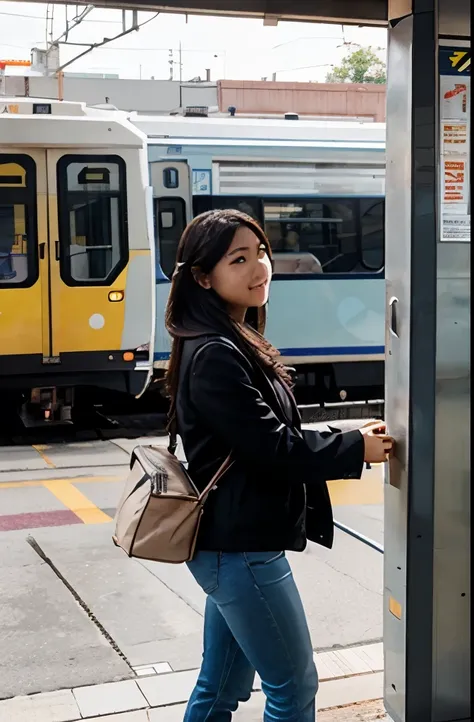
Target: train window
92 219
316 236
170 218
252 206
167 219
170 178
372 219
18 235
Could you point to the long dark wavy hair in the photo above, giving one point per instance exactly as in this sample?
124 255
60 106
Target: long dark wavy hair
193 311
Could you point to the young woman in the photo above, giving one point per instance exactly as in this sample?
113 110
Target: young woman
231 396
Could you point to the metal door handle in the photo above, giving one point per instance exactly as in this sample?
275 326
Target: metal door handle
393 316
57 249
42 250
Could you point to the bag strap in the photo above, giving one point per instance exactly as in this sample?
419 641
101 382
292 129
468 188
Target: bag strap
173 435
224 467
173 425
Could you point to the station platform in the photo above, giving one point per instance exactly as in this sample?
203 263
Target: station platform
93 634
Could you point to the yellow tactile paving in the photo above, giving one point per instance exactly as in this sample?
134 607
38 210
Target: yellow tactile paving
76 501
343 492
73 480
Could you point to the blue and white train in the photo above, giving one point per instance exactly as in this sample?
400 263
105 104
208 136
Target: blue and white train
317 188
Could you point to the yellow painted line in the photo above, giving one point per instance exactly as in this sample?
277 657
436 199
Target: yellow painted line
39 448
19 484
68 480
75 500
352 492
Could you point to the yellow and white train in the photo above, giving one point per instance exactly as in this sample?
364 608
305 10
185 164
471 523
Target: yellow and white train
77 267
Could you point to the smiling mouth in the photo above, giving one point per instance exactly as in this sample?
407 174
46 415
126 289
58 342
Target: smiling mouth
260 285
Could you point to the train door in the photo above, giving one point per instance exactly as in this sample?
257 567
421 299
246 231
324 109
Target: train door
64 257
88 253
23 238
172 208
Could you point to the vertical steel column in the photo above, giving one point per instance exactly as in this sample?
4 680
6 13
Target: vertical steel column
427 523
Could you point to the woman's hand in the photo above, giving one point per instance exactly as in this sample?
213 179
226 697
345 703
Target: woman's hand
378 445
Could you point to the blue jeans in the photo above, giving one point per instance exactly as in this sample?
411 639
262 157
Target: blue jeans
254 621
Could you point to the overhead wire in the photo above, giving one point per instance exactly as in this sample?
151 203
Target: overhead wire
40 17
94 46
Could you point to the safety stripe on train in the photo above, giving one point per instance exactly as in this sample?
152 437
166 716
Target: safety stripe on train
320 351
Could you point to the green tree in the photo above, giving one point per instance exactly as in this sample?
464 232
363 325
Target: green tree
360 66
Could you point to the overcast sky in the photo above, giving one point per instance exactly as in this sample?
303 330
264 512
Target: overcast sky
232 48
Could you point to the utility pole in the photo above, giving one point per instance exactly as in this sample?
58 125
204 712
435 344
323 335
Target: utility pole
180 75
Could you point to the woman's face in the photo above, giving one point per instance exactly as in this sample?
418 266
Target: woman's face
242 277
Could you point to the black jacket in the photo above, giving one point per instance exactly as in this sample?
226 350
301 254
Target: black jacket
275 495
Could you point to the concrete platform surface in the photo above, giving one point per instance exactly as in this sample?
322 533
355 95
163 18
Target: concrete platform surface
83 613
46 638
162 698
153 612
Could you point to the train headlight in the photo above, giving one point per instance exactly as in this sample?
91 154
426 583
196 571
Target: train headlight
116 296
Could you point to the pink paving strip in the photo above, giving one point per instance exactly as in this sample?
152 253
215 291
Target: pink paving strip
34 520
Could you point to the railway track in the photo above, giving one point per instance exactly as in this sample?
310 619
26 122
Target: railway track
97 426
103 424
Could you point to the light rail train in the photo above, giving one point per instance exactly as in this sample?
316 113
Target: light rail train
77 261
317 188
93 203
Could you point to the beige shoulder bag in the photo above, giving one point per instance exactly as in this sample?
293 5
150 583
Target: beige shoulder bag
160 511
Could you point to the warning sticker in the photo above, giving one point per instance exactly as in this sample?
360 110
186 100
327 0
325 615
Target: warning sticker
455 97
455 181
455 103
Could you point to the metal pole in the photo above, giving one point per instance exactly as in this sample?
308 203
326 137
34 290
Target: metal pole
60 85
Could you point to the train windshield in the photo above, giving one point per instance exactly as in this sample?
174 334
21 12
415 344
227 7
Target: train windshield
92 219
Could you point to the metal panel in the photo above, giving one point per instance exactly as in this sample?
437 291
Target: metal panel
397 362
454 18
427 510
248 178
329 329
410 368
345 133
452 523
370 11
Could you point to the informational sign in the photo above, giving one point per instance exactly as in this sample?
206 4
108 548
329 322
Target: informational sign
457 228
455 181
455 138
201 182
455 119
